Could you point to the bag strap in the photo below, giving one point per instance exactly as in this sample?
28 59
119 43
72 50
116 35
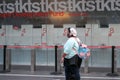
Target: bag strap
78 41
78 44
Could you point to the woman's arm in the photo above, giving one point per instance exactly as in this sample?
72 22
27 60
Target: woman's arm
62 58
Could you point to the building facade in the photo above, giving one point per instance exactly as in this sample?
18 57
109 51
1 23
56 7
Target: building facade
44 22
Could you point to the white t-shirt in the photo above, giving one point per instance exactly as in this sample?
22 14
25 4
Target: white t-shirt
69 45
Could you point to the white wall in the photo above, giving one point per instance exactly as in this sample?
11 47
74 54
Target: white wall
27 35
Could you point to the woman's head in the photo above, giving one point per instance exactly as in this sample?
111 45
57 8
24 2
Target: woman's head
71 32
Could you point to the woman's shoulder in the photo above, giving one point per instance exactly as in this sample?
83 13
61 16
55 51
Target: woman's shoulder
76 39
71 38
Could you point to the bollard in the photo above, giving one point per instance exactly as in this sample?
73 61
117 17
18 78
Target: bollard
5 59
56 62
56 58
113 73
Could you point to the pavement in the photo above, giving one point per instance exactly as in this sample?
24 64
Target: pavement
50 74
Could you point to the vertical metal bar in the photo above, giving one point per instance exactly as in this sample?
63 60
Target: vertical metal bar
4 58
113 64
112 69
56 58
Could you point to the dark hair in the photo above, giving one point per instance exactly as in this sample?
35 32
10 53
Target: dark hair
70 32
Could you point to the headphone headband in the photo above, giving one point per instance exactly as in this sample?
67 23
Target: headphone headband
72 31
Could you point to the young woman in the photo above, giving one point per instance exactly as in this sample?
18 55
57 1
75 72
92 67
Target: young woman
69 56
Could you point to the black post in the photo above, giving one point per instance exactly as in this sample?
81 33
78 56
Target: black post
113 64
56 58
112 69
56 63
4 59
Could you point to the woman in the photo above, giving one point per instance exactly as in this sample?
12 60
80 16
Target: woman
70 48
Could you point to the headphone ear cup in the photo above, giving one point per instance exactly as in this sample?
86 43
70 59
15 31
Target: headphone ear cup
69 29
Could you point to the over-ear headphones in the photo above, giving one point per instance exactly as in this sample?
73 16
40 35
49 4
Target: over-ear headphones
69 30
72 32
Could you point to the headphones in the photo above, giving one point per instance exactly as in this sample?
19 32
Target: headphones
71 31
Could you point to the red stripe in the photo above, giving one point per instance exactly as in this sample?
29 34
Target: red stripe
1 46
44 46
99 47
30 47
117 46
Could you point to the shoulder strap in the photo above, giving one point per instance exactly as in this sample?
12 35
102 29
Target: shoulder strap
79 43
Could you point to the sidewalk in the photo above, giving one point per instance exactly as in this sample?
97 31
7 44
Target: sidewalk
26 72
45 74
